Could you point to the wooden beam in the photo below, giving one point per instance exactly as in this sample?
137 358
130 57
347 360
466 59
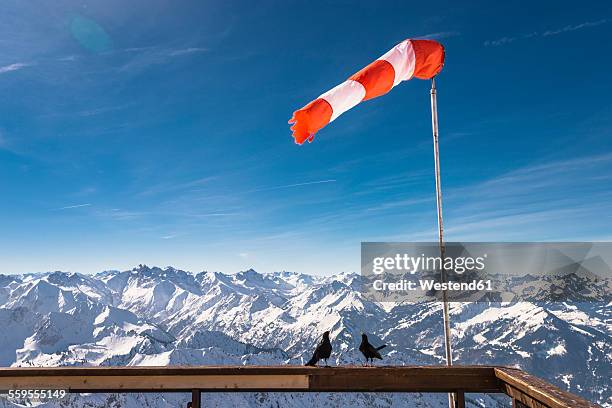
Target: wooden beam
167 383
536 393
243 378
522 400
405 379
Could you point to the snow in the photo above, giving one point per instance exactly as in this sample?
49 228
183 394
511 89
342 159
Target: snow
558 350
154 316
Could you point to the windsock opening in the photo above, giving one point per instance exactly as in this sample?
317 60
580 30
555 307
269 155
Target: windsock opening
429 58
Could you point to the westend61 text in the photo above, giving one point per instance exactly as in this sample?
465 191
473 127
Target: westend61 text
430 284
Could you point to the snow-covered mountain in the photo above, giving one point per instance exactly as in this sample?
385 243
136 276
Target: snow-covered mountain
154 316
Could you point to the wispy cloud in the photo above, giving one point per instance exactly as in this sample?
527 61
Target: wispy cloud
575 27
13 67
21 65
400 204
548 33
94 111
439 35
508 40
120 215
144 57
185 51
215 214
67 58
100 110
69 207
169 187
308 183
555 200
536 196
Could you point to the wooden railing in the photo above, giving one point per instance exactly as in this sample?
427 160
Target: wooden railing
524 389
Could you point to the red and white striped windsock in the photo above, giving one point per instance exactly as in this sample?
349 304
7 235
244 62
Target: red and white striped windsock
411 58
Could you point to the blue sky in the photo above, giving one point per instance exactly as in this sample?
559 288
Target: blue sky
156 132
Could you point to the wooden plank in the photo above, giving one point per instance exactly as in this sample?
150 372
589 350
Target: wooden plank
407 379
528 389
518 404
157 382
272 378
233 370
522 400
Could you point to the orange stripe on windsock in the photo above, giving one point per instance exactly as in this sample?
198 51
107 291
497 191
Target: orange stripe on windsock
411 58
377 79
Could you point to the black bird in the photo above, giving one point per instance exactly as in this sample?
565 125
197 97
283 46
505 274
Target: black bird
322 352
369 351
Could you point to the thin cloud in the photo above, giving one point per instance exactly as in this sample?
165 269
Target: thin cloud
548 33
118 214
309 183
68 58
562 180
439 35
508 40
400 204
144 57
13 67
170 187
87 112
217 214
139 49
69 207
569 28
185 51
100 110
544 201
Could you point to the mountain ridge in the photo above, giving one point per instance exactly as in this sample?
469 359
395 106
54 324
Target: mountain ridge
150 315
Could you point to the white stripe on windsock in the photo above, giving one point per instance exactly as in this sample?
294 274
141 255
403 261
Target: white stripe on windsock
402 58
344 96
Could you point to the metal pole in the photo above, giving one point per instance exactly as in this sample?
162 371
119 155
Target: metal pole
447 332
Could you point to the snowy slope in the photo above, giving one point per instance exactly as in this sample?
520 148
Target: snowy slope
154 316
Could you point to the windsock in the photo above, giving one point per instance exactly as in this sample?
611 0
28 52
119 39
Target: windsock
409 59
